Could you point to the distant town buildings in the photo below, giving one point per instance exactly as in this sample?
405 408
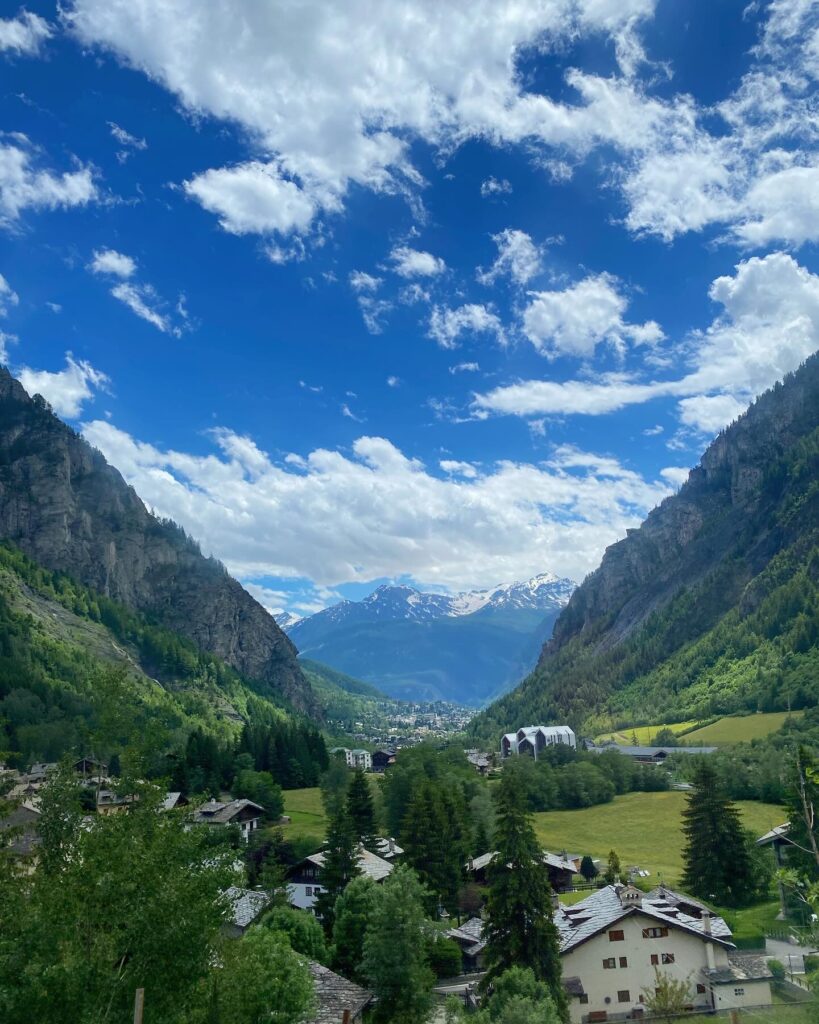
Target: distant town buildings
534 739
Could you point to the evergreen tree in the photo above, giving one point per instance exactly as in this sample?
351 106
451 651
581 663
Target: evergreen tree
395 961
716 862
588 869
435 838
352 912
361 809
519 929
613 872
339 868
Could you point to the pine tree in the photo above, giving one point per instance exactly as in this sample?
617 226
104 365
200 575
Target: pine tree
352 912
716 860
519 928
613 869
339 868
361 809
588 869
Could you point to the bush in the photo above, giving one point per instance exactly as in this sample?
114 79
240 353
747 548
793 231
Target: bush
777 969
445 958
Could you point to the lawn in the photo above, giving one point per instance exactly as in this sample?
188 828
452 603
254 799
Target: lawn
306 813
643 735
781 1013
644 829
739 729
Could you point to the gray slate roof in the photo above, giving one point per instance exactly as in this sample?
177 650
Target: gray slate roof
246 905
369 864
216 812
334 995
469 936
578 923
742 967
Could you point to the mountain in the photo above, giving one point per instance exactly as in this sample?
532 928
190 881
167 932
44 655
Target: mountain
465 648
69 511
712 605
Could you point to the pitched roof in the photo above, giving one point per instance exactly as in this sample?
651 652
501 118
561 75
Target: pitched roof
553 860
649 751
580 922
387 848
742 967
469 936
334 995
223 814
246 905
369 864
780 832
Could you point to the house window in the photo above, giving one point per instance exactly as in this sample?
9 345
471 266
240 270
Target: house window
739 991
668 958
609 963
583 999
655 933
624 996
308 890
616 936
655 959
700 990
624 961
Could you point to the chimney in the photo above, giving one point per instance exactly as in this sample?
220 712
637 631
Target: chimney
709 946
555 902
706 922
391 844
470 864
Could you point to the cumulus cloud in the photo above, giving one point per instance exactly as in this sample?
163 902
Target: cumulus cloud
518 258
334 517
109 261
67 390
495 187
409 262
675 475
8 296
575 320
768 325
447 325
25 34
24 187
363 282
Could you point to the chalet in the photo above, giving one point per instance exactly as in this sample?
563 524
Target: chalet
338 1001
20 826
480 761
613 942
110 802
561 869
244 814
382 759
173 801
777 842
469 937
533 739
246 907
90 769
304 878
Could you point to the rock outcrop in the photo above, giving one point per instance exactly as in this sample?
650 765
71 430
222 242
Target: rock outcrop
66 508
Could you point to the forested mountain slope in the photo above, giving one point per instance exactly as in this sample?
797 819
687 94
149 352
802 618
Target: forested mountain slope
65 507
712 605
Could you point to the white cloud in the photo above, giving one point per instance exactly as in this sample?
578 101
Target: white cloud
414 263
25 34
782 206
23 187
8 297
393 382
254 198
360 281
447 325
495 187
577 319
675 475
769 324
125 138
375 513
465 368
455 468
109 261
142 300
67 390
373 312
6 340
518 258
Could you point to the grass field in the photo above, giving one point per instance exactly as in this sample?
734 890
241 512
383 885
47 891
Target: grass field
739 729
306 814
644 829
643 734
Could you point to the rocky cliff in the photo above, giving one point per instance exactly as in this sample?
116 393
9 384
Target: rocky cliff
698 557
68 510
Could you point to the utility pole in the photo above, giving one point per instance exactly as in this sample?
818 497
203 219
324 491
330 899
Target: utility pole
139 1003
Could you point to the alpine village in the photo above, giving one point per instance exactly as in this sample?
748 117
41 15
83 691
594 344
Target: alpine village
274 748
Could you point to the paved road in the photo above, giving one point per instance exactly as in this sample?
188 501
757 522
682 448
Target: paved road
791 955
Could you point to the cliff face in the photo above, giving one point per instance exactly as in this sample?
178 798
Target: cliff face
697 557
67 509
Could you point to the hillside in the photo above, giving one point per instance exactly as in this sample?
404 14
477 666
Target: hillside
712 605
466 648
77 668
65 507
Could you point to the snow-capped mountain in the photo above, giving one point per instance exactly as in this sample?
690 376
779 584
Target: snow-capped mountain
466 647
287 620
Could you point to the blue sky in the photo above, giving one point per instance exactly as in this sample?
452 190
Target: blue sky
446 293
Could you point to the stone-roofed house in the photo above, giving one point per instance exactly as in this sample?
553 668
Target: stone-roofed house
303 879
469 937
247 906
245 814
336 996
561 869
387 848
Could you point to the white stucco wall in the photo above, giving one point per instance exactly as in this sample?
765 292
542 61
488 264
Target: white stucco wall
743 993
586 962
298 896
